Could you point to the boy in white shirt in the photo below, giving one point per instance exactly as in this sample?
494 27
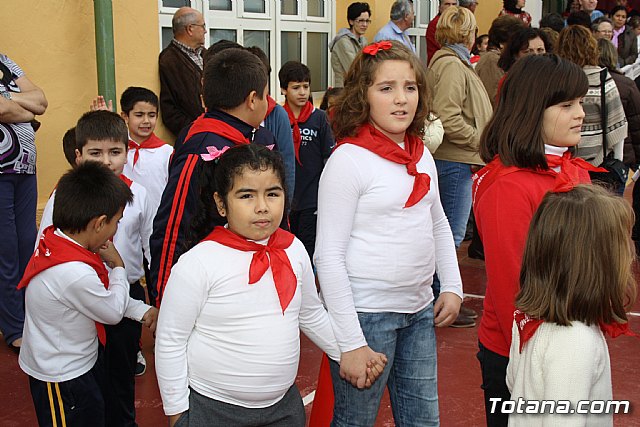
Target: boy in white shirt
102 136
70 294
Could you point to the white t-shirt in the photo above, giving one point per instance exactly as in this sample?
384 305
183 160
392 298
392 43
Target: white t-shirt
372 254
229 340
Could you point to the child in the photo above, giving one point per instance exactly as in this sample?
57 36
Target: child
576 284
235 94
381 233
102 136
69 146
329 98
148 156
313 143
526 147
227 347
69 292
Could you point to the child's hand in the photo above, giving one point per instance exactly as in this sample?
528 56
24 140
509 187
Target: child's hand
110 255
100 104
150 319
375 367
173 419
446 309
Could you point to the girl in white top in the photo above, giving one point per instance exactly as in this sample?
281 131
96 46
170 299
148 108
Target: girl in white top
382 234
576 282
227 345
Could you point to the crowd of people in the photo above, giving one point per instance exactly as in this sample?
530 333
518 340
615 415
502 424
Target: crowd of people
264 220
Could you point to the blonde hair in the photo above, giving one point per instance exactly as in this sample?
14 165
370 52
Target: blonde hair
577 260
456 25
351 109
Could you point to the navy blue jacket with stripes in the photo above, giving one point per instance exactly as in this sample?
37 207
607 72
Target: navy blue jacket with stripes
180 197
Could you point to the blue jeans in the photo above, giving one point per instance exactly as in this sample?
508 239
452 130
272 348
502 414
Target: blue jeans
454 184
409 341
18 196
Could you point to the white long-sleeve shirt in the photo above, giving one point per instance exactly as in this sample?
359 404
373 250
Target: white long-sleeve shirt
372 254
229 340
62 304
560 363
151 171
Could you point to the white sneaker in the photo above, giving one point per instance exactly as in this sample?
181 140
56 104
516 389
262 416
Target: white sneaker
141 364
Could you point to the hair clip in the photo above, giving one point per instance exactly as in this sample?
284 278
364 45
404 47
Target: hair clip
270 147
374 48
213 154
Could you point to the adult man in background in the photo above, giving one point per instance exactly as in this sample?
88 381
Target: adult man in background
432 44
180 66
349 41
401 20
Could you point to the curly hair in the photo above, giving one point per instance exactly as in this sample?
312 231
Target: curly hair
351 109
577 44
456 25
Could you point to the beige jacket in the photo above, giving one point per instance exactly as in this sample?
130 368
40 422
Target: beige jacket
462 104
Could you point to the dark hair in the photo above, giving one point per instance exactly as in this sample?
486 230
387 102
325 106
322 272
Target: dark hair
101 125
87 192
552 20
356 9
519 41
218 47
218 176
577 260
579 18
293 71
534 83
69 146
257 51
617 9
608 55
331 92
134 94
502 28
510 5
230 77
351 109
634 21
479 40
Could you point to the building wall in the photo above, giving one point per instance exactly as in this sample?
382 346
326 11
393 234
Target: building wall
54 43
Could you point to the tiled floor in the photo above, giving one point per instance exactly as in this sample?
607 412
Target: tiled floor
461 401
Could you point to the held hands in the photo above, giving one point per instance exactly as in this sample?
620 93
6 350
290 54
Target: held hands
362 366
150 319
446 309
100 104
110 255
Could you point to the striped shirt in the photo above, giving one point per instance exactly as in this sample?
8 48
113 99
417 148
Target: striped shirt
194 54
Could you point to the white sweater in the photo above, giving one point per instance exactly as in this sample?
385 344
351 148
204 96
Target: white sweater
372 254
229 340
560 363
151 171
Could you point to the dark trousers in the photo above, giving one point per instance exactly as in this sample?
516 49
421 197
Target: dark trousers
18 197
120 366
303 225
77 402
494 384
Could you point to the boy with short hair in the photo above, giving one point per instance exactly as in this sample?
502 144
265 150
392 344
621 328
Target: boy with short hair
313 142
69 292
235 94
101 136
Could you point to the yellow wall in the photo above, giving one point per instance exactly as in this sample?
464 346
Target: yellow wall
54 43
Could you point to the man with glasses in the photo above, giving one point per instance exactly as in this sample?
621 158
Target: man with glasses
349 41
402 16
181 66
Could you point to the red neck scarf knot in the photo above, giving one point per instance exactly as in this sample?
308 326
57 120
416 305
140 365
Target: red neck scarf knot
152 142
573 171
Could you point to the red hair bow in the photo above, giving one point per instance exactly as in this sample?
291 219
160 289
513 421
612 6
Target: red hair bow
374 48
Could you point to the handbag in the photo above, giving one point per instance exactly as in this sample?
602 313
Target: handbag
617 172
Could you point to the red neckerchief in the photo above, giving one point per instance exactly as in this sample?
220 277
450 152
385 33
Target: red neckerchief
375 141
126 180
54 250
271 104
207 124
573 171
152 142
272 254
527 327
305 113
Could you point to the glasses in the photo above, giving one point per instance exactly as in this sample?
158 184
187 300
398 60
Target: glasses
203 26
604 31
363 21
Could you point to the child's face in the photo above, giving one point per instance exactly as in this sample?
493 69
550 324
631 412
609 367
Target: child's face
297 93
393 98
141 121
562 123
107 229
112 154
255 205
482 47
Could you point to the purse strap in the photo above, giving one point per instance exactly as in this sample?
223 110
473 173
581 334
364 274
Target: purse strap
603 112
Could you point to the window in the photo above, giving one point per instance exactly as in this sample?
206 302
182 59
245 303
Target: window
255 6
217 35
289 7
176 3
220 5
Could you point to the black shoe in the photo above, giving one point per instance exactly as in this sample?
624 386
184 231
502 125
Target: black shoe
468 312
